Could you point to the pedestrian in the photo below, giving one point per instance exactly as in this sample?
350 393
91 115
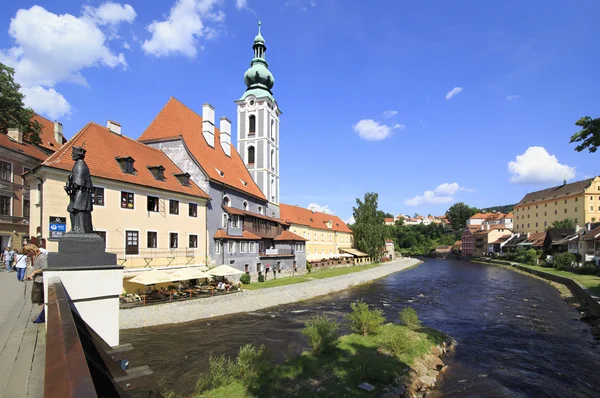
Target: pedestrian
39 262
20 265
8 258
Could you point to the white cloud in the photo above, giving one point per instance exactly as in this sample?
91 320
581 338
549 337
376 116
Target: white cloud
350 220
313 3
46 101
51 48
110 13
319 208
126 46
443 193
370 130
180 32
537 166
241 4
390 113
454 92
512 97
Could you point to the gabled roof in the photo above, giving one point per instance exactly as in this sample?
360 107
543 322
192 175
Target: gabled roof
240 212
388 220
175 120
561 191
289 236
482 216
221 234
103 147
47 134
24 148
317 220
591 235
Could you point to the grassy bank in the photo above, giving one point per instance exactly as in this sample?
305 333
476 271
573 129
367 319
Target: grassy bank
320 274
591 282
334 366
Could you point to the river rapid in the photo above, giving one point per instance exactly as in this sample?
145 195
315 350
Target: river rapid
516 336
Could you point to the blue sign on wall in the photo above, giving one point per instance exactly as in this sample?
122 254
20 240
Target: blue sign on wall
58 226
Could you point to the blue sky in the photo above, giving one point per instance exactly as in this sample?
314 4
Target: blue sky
426 103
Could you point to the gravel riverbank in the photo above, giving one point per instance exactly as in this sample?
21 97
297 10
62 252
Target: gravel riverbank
254 300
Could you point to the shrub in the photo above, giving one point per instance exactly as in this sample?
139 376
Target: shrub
261 278
564 261
221 371
251 363
409 317
364 320
396 341
245 279
588 268
321 332
308 267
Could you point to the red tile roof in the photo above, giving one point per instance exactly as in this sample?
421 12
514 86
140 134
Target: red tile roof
240 212
318 220
176 120
47 134
221 234
287 235
480 216
103 147
388 219
25 148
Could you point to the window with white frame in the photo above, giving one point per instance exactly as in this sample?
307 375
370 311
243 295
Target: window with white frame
224 222
245 205
193 241
235 221
252 248
231 246
243 247
218 247
260 210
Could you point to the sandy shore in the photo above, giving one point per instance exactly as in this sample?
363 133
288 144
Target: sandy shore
252 300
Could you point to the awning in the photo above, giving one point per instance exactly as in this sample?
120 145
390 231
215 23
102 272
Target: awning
355 252
185 274
140 271
224 270
152 277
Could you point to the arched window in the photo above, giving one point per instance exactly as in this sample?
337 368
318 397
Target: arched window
260 210
226 201
224 222
273 129
273 189
252 124
251 155
245 205
272 159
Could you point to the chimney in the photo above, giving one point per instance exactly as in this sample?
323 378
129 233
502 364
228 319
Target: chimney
208 124
114 127
225 128
58 132
15 134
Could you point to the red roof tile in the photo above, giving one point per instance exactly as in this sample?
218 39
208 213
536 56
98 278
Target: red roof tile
287 235
24 148
388 219
103 147
177 120
318 220
221 234
47 134
240 212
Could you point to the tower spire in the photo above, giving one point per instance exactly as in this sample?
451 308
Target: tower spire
258 78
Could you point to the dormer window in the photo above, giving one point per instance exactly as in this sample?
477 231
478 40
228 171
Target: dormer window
158 172
184 179
126 164
221 173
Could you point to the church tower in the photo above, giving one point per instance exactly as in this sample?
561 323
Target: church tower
258 126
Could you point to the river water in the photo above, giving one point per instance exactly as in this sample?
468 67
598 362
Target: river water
516 336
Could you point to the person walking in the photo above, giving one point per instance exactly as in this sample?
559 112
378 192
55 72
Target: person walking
8 258
40 262
20 265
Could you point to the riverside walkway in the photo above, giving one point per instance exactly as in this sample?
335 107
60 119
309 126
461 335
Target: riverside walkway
22 342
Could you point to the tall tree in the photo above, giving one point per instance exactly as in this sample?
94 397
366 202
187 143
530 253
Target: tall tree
589 135
12 110
388 215
564 224
369 230
459 213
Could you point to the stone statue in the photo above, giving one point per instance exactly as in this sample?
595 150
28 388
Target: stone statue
80 190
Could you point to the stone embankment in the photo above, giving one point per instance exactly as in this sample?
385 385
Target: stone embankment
253 300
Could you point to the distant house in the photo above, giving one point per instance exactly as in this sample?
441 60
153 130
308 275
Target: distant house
443 251
589 246
457 247
487 235
468 243
389 249
478 219
555 241
388 221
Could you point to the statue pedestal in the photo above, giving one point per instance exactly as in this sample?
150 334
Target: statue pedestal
92 279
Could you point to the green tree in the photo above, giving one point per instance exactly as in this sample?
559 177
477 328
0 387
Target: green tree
459 213
589 135
369 230
564 224
388 215
13 113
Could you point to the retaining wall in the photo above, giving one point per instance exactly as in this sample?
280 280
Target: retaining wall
253 300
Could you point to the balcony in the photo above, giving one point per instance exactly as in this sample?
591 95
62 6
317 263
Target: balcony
277 253
6 219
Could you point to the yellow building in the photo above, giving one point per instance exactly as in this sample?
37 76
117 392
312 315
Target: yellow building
578 201
148 211
326 234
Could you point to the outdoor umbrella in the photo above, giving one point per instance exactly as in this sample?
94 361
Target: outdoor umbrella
152 277
184 274
224 270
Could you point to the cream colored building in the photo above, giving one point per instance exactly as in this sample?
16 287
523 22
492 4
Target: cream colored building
578 201
147 210
326 234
